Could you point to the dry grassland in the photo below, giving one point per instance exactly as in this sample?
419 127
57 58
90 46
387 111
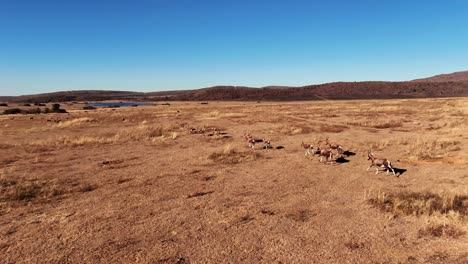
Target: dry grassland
131 185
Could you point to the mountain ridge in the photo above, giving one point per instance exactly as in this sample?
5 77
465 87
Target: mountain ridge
420 88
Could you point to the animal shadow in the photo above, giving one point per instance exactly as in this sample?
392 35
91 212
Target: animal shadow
348 153
279 147
341 160
399 171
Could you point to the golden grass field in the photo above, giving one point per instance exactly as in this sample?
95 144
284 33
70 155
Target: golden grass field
130 185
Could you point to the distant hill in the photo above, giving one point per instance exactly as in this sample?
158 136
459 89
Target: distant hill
451 77
339 90
448 85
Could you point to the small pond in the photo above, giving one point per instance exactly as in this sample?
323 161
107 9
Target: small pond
119 104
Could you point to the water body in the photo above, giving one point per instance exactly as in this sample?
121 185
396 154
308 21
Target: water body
119 104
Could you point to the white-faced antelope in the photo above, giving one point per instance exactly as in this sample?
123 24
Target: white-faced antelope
307 148
379 163
247 136
251 143
215 131
250 140
335 146
267 144
327 153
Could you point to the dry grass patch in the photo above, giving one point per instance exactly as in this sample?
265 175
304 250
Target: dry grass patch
425 203
139 133
6 146
229 155
17 190
380 124
332 128
441 230
75 122
295 130
422 149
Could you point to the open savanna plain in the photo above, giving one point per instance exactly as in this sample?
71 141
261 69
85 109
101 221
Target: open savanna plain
130 185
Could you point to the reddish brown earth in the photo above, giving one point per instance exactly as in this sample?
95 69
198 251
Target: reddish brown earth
129 185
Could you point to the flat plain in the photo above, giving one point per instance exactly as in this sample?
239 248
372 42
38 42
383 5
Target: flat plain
131 185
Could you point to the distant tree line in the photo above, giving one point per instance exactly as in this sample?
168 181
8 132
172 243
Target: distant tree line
55 109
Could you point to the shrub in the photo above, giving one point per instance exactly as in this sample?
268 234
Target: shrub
12 111
55 109
89 107
3 104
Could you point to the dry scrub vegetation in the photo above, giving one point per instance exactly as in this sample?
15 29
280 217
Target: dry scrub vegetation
15 191
229 155
87 177
146 133
441 230
376 123
422 203
421 149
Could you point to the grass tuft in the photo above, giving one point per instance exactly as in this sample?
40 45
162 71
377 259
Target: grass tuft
422 149
441 230
229 155
425 203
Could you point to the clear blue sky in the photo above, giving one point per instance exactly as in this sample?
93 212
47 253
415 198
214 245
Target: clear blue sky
156 45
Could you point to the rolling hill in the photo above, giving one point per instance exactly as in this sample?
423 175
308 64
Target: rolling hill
447 85
451 77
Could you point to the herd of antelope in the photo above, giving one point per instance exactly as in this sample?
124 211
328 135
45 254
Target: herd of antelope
325 150
330 149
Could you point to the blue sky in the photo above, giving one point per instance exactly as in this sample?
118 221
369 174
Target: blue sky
158 45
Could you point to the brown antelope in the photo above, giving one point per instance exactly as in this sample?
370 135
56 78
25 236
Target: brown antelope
307 148
247 136
251 143
337 147
267 144
193 130
250 139
215 131
327 153
379 163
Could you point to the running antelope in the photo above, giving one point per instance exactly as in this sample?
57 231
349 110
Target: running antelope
307 148
249 139
327 153
247 136
251 143
267 144
335 146
379 163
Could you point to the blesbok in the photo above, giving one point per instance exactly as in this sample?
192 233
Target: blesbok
251 143
335 146
193 130
247 136
267 144
307 148
379 163
215 131
327 153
